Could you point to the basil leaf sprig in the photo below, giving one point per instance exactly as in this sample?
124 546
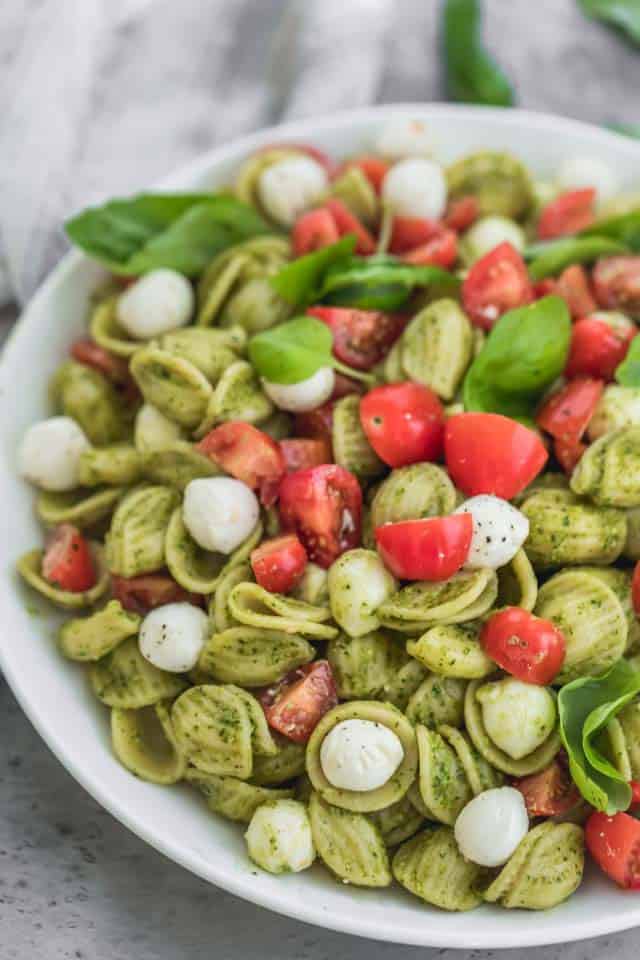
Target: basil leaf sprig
524 353
299 282
472 75
182 231
585 706
619 234
623 14
626 129
381 282
627 373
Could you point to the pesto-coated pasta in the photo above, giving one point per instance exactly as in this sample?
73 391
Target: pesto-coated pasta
629 721
564 529
288 762
361 665
498 181
405 680
29 567
442 782
465 596
144 743
117 465
356 191
219 612
90 638
517 583
436 701
85 395
349 844
237 396
232 798
411 493
452 651
172 384
254 606
431 867
211 351
135 542
195 568
80 507
397 822
213 730
351 449
609 470
436 347
123 678
177 465
252 656
107 332
358 583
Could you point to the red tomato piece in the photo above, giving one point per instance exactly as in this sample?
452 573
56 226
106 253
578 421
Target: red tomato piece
568 453
313 230
616 282
347 222
431 549
462 213
144 593
323 505
549 793
361 338
489 453
496 283
374 169
568 213
543 288
598 347
635 792
302 452
614 843
315 423
278 564
296 704
318 155
67 561
566 414
527 647
247 454
635 589
442 251
115 369
574 288
404 423
344 386
410 232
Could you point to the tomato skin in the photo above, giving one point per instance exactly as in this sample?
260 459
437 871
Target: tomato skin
296 704
278 564
575 289
407 233
404 423
247 454
373 168
635 589
616 283
462 213
489 453
614 843
431 549
312 231
496 283
361 338
549 793
635 792
568 213
144 593
114 368
566 414
526 646
347 222
345 386
442 251
323 505
597 348
302 452
315 423
67 561
543 288
568 453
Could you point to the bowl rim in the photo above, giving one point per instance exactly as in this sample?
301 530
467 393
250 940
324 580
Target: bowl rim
286 903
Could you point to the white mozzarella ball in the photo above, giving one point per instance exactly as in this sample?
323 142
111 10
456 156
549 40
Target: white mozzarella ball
171 637
291 186
415 188
499 530
491 826
403 136
153 431
159 301
617 407
488 232
49 454
580 171
517 716
360 755
279 837
302 396
219 512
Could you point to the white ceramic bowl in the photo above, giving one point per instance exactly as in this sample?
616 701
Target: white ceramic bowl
54 693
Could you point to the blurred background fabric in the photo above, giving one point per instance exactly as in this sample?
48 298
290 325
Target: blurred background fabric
102 97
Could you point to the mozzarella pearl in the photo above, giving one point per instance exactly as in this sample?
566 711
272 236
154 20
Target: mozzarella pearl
171 637
403 136
582 171
499 530
617 407
279 837
289 187
49 454
159 301
488 232
517 716
415 188
304 395
491 826
153 431
360 755
219 512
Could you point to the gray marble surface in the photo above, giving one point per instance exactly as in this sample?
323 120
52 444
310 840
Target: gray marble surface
74 883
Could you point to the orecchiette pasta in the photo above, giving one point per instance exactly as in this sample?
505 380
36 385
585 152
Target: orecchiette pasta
431 867
144 743
349 844
435 349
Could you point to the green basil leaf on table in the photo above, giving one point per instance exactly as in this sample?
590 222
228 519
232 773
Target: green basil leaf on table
472 75
628 372
524 353
623 14
380 282
299 281
180 231
553 256
585 706
292 351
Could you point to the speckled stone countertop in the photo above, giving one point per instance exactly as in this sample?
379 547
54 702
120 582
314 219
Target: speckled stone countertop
74 883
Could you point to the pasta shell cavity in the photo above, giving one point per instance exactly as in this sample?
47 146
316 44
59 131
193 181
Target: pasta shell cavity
172 384
254 606
90 638
144 743
498 181
107 332
351 449
237 396
212 726
211 351
362 665
116 465
564 529
464 597
349 844
452 651
123 678
87 397
135 542
517 583
436 347
232 798
411 493
431 867
30 566
81 507
609 471
252 656
195 568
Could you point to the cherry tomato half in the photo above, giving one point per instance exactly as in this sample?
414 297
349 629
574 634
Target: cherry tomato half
247 454
574 288
496 283
635 792
442 251
323 505
614 843
315 423
312 231
404 423
568 453
114 368
489 453
527 647
278 564
616 282
431 549
566 414
549 793
374 169
347 222
361 338
635 589
296 704
144 593
598 347
410 232
462 213
67 561
302 452
568 213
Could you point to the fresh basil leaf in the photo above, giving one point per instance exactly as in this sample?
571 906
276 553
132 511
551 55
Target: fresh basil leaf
524 353
553 256
626 129
299 282
472 76
292 351
623 14
380 282
180 231
585 706
628 372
